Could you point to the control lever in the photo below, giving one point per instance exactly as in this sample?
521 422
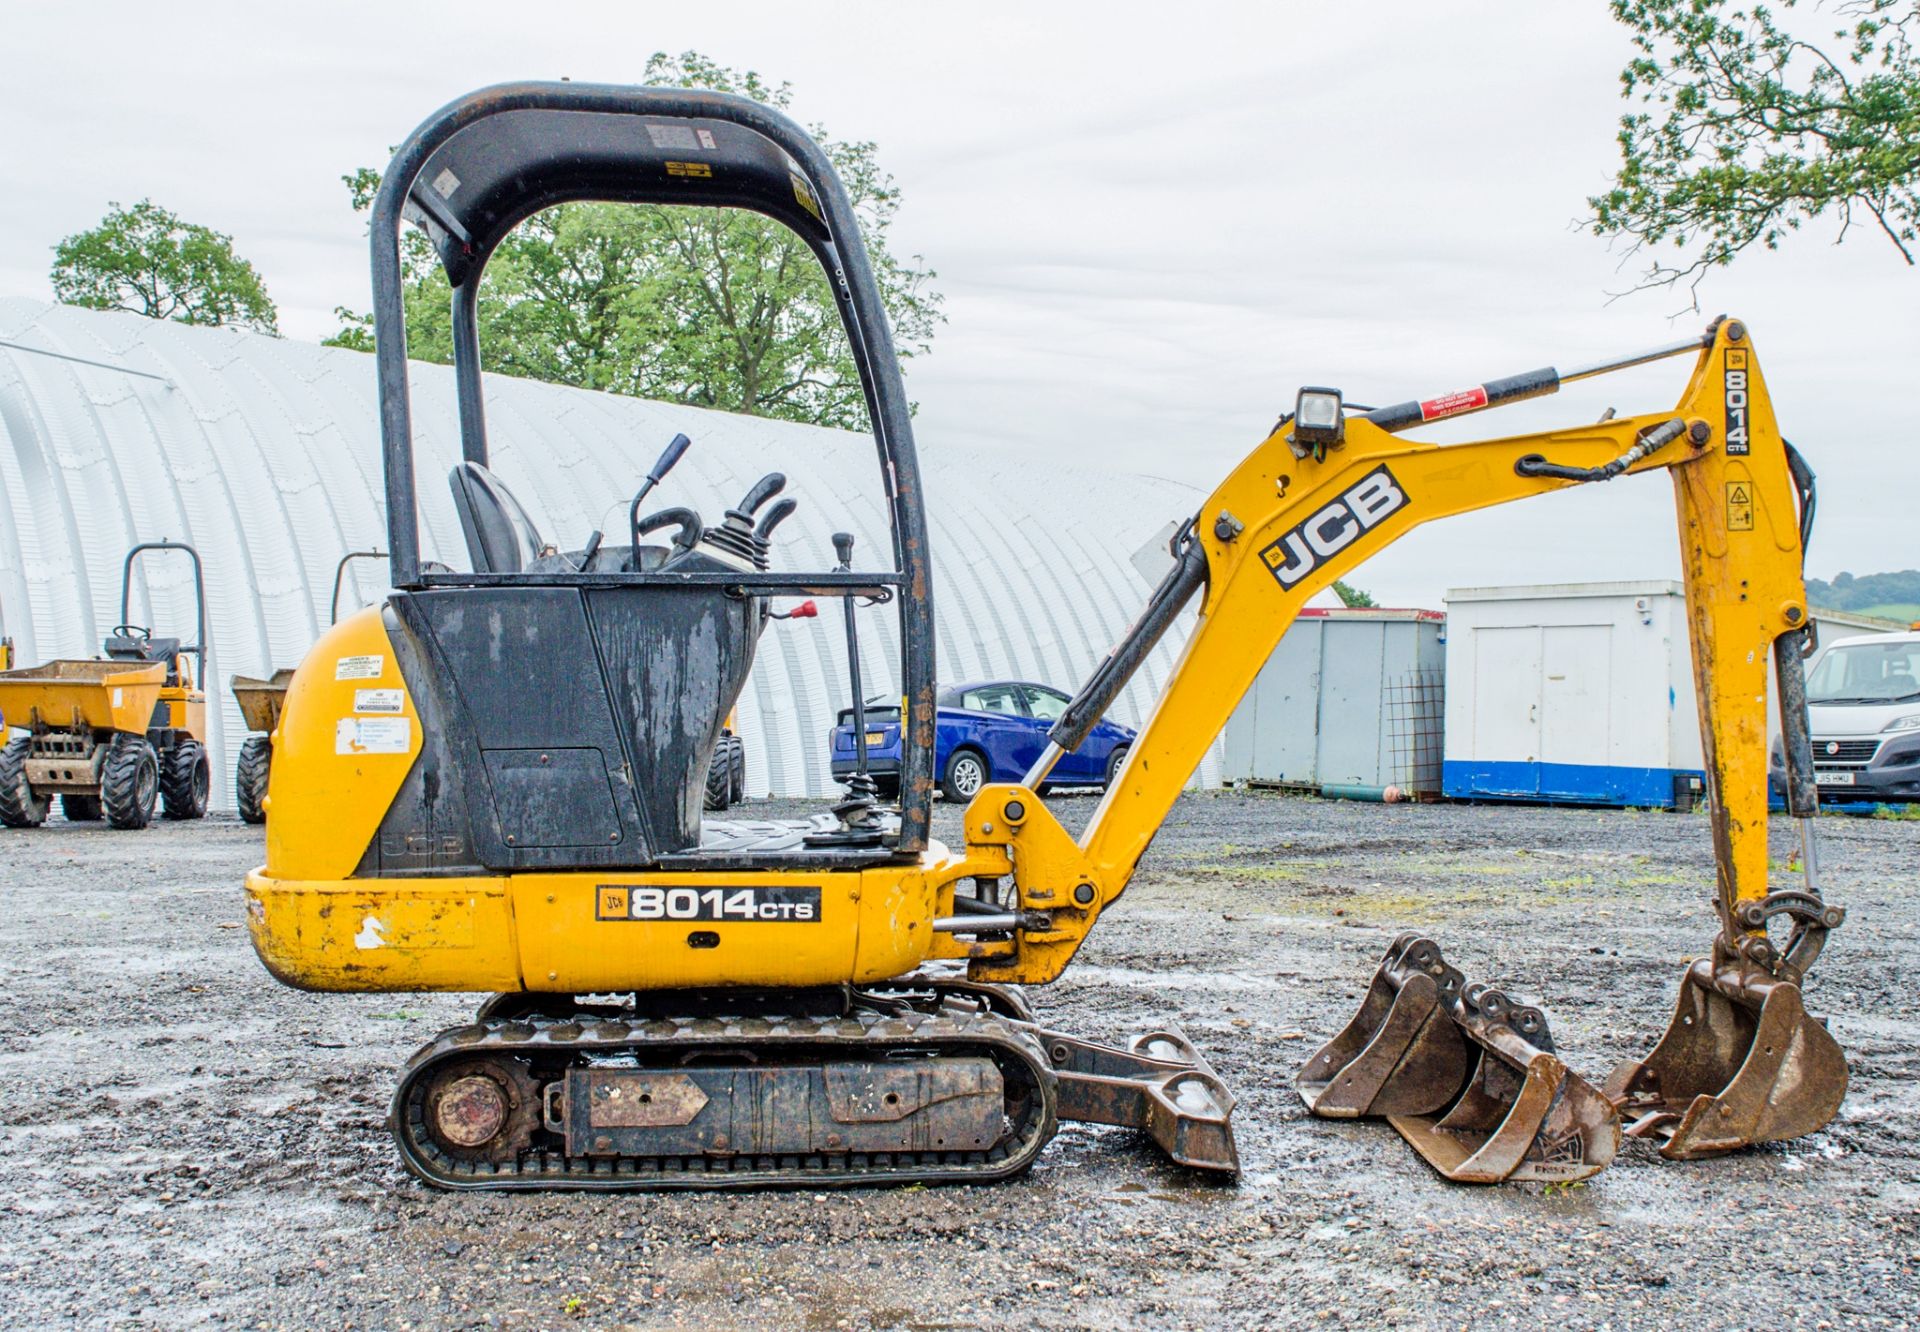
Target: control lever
676 448
843 547
860 824
736 538
685 540
775 516
763 490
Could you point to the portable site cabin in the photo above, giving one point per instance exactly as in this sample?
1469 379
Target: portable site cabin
1574 692
1348 704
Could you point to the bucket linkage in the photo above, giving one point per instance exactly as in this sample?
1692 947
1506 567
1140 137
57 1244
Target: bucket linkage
1465 1075
1742 1062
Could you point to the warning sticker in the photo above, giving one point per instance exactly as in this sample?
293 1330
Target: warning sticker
445 184
379 700
805 197
359 668
1739 506
1452 404
372 735
672 136
706 138
699 170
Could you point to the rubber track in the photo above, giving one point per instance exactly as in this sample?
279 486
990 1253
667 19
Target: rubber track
553 1044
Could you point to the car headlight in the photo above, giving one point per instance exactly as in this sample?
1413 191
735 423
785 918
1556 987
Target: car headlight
1910 722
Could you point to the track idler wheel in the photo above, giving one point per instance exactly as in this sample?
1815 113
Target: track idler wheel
482 1109
1401 1054
1742 1062
1523 1115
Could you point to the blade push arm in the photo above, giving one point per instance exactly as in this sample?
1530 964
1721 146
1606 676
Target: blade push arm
1283 527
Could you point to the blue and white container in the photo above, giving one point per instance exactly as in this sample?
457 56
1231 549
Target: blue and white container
1578 693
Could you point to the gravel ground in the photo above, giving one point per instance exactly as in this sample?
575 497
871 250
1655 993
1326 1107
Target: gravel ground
186 1143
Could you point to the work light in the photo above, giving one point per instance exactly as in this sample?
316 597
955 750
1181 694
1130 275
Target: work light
1317 421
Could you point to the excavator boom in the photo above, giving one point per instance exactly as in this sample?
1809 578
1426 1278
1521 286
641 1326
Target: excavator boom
1743 1062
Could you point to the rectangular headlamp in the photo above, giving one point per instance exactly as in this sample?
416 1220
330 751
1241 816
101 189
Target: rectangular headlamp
1317 418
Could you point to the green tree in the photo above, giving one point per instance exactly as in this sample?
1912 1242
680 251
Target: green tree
1351 596
145 259
1748 129
707 306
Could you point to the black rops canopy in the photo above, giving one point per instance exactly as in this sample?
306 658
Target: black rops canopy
482 164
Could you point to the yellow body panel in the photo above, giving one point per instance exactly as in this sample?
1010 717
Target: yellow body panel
574 932
317 927
86 694
337 765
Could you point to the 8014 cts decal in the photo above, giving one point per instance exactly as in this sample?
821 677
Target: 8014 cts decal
672 902
1736 372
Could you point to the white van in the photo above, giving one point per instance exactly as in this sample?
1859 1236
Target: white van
1863 699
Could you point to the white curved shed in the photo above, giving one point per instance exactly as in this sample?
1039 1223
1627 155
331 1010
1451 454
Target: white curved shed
263 453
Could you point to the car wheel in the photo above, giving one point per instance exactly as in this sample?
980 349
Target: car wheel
1115 761
966 773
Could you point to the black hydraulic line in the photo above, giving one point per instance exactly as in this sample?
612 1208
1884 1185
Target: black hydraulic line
1187 576
1651 442
1796 738
1804 483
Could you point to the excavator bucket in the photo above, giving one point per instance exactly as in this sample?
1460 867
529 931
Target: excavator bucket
1742 1061
1523 1115
1402 1054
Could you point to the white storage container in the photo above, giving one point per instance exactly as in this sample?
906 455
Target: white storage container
1573 692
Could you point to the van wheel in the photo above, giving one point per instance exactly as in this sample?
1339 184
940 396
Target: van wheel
250 778
19 806
966 773
130 782
186 779
1115 761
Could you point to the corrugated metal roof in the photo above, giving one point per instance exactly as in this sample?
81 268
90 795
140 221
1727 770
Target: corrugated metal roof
263 453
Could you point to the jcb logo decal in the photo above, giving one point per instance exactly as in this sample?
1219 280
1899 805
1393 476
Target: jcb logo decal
1365 505
1736 401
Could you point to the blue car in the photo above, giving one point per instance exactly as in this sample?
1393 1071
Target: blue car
990 731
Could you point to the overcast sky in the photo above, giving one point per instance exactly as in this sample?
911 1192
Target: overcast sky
1151 222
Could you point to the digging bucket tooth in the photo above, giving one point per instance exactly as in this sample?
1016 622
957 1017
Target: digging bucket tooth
1742 1061
1523 1115
1401 1054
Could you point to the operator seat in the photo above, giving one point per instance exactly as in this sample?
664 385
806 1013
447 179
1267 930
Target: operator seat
501 538
132 647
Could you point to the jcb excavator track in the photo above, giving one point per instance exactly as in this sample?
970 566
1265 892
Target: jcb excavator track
500 1064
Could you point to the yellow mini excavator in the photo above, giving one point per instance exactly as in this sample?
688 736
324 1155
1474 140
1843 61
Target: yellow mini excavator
493 782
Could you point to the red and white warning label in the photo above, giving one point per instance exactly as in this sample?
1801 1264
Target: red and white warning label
1452 404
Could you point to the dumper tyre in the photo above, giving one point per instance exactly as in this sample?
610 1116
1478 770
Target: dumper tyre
19 806
737 756
250 778
80 808
186 780
130 782
719 779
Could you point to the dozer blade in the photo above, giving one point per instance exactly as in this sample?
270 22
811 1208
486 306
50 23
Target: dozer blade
1401 1054
1523 1115
1160 1083
1741 1063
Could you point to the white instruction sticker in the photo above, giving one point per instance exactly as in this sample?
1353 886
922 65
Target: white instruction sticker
117 692
672 136
372 735
446 183
379 700
359 668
